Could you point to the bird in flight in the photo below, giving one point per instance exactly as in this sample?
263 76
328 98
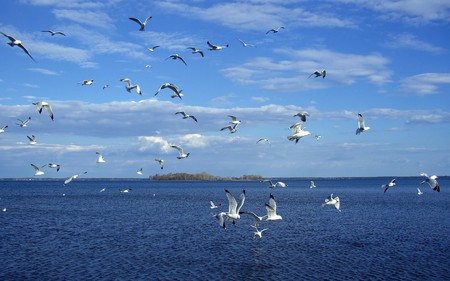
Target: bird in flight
175 57
43 104
318 74
361 126
275 30
185 116
14 42
141 24
213 47
53 33
195 51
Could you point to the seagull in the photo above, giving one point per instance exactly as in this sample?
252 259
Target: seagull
332 201
181 152
32 140
297 132
214 205
312 185
272 210
322 73
139 172
213 47
196 51
54 166
233 209
175 57
142 24
4 209
265 140
234 120
86 82
245 44
275 30
389 185
125 190
105 86
67 181
53 33
14 42
40 105
258 233
231 128
130 87
273 185
103 189
23 123
432 182
2 129
152 49
100 158
361 126
302 115
185 116
419 192
317 137
148 66
161 163
171 86
37 170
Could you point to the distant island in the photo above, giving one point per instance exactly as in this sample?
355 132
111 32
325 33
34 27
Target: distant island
202 177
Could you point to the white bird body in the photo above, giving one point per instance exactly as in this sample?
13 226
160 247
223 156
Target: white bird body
361 125
43 104
419 192
333 201
213 47
54 166
234 120
37 170
389 185
69 180
139 172
161 163
432 182
32 140
272 210
141 24
14 42
152 49
232 129
213 205
100 158
312 185
181 152
233 208
185 116
297 132
2 129
127 190
196 51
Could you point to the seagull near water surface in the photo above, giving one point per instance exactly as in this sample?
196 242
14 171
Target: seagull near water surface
273 185
69 180
233 209
389 185
432 181
330 201
14 42
37 170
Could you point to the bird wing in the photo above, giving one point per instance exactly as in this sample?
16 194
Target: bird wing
147 19
26 51
180 58
49 110
12 39
209 44
233 118
193 117
227 127
36 168
273 203
181 112
241 201
232 203
360 121
136 20
180 150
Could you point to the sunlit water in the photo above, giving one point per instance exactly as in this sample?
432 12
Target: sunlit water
166 231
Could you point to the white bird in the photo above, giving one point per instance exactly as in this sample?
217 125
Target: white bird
43 104
297 132
125 190
275 30
213 47
333 201
317 137
272 210
14 42
23 123
273 185
130 87
86 82
361 126
171 86
4 209
302 115
419 192
69 180
181 152
389 185
53 33
139 172
312 185
196 51
258 233
32 140
432 181
234 120
264 140
152 49
105 86
318 74
185 116
100 158
37 170
245 44
141 24
176 57
2 129
161 163
233 209
213 205
103 189
54 166
231 128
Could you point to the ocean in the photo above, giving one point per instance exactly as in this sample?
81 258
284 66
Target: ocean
167 231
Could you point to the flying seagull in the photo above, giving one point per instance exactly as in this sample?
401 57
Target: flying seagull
139 172
196 51
86 82
273 185
171 86
14 42
181 152
100 158
272 210
322 73
175 57
245 44
302 115
23 123
258 233
317 137
213 47
43 104
389 185
105 86
234 120
2 129
361 126
233 209
32 140
332 201
264 140
37 170
214 205
312 185
69 180
142 24
152 49
185 116
54 166
232 129
419 192
161 163
130 87
432 181
297 132
275 30
127 190
53 33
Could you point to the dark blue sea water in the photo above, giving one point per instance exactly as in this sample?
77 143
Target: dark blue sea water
166 231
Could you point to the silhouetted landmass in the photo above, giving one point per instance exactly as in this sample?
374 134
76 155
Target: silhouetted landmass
202 177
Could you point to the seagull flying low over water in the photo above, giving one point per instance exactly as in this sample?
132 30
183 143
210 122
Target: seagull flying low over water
43 104
86 82
275 30
361 126
185 116
213 47
161 163
181 152
127 190
419 192
23 123
312 185
176 57
14 42
54 166
432 181
273 185
318 74
297 132
272 210
37 170
233 209
32 140
333 201
171 86
69 180
141 24
100 158
53 33
213 205
2 129
389 185
130 87
258 233
302 115
195 51
231 128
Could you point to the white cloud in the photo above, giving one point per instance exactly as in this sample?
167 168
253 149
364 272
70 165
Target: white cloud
425 83
409 41
154 142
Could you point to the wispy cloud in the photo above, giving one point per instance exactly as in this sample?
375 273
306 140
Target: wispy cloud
85 17
44 71
409 41
425 83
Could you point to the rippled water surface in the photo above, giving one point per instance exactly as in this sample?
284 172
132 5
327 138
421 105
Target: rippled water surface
166 231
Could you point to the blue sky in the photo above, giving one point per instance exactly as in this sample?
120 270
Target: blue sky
388 60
